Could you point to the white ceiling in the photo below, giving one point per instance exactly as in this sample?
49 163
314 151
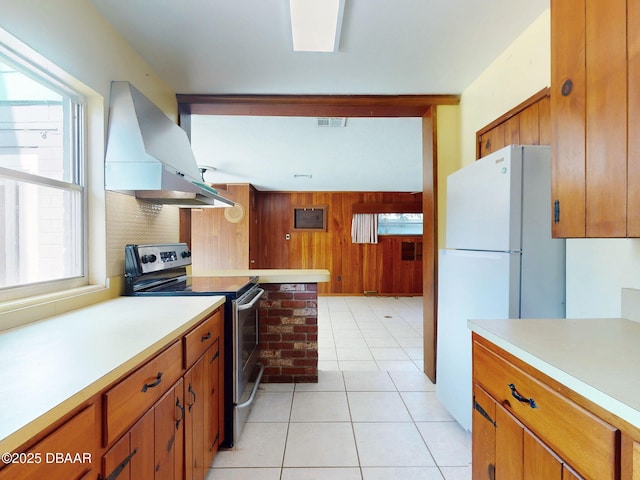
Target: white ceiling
386 48
370 154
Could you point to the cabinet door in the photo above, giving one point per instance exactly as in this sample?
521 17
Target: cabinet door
142 441
606 77
568 116
254 241
589 117
483 431
569 474
132 456
633 161
630 458
194 395
221 378
492 140
212 410
77 439
116 462
539 461
510 453
636 461
153 448
169 434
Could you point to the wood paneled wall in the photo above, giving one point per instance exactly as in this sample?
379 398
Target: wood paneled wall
355 268
216 243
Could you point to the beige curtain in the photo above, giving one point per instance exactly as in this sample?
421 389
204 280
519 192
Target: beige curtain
364 228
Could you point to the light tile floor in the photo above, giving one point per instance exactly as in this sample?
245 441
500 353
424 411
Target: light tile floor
373 415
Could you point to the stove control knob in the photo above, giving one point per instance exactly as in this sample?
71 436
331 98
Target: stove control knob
148 258
186 254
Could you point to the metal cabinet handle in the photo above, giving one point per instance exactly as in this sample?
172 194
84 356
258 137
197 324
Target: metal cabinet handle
215 356
483 412
147 386
520 398
193 394
205 337
118 470
181 408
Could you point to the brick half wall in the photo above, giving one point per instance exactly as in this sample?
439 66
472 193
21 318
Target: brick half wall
288 328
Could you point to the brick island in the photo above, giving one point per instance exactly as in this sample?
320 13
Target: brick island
288 321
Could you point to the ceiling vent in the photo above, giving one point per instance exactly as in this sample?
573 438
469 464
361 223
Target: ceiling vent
331 122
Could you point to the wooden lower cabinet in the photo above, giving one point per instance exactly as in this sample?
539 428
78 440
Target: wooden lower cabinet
169 435
161 421
636 461
526 429
195 399
133 455
132 396
178 436
504 449
630 457
202 392
213 418
153 448
67 453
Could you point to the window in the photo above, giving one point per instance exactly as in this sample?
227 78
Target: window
42 194
399 224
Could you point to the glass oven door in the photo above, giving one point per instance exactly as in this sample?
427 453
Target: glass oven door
245 357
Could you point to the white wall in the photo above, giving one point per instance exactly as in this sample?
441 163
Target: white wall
449 159
523 69
76 38
80 47
597 269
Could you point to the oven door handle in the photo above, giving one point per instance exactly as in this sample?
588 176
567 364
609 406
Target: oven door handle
247 306
253 390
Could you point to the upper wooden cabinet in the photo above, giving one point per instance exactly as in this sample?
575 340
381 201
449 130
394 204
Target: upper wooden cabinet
595 72
526 124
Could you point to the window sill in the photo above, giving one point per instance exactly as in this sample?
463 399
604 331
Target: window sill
403 235
18 312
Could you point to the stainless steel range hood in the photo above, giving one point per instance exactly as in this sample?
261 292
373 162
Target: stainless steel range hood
150 156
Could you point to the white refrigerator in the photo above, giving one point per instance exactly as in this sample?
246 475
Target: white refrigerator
499 262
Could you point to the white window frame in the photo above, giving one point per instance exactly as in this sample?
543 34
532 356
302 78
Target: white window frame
42 74
382 224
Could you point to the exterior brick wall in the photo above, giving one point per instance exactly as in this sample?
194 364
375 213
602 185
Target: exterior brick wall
288 329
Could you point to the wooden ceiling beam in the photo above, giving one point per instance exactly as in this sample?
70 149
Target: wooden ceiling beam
313 105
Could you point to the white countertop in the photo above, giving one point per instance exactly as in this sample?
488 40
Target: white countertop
597 358
51 366
272 275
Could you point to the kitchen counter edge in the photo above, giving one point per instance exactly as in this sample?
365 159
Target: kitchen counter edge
62 404
271 275
607 385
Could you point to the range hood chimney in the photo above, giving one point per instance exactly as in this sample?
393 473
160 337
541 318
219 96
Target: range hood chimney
150 156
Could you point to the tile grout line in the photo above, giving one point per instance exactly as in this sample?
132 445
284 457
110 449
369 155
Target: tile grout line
286 437
353 430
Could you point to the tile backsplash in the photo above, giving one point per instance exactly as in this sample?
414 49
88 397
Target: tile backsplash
130 220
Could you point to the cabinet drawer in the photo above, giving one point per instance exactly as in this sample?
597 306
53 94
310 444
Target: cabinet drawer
130 398
200 338
68 452
583 440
